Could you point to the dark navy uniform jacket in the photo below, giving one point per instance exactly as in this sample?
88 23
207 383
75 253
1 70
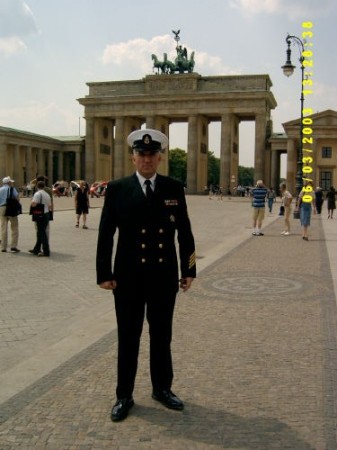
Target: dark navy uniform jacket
146 234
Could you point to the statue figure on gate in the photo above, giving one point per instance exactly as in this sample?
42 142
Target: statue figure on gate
181 63
176 34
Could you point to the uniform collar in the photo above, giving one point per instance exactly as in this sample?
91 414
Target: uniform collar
142 179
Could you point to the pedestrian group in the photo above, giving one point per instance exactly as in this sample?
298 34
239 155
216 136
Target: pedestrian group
41 210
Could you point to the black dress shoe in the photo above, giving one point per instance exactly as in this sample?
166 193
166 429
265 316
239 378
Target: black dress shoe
168 399
121 408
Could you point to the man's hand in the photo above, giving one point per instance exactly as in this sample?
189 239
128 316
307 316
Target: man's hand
109 285
185 283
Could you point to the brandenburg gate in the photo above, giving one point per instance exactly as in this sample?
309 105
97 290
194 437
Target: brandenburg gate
115 108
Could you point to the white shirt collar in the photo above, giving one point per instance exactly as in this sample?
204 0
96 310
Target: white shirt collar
142 179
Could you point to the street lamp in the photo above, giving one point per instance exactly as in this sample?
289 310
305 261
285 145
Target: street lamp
288 70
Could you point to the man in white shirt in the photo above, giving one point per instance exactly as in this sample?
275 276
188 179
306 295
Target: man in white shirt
41 196
7 190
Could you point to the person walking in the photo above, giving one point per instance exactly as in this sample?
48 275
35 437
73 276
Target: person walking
286 202
259 194
306 208
7 190
271 196
42 197
148 209
51 212
82 204
319 199
331 200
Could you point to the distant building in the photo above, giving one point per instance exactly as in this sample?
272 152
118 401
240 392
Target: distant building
23 155
324 134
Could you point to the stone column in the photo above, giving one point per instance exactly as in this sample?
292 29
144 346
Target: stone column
40 162
202 154
151 122
50 174
34 162
60 166
16 166
130 124
291 166
192 154
235 150
260 145
119 148
225 151
162 124
3 151
77 165
275 170
29 168
90 151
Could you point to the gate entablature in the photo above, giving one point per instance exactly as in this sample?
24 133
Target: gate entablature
191 81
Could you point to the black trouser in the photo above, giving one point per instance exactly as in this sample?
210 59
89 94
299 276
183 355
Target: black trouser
41 235
130 311
319 204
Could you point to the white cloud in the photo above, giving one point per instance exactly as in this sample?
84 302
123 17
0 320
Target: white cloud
11 45
42 118
137 53
16 22
213 65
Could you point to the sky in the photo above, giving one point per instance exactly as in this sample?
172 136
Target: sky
50 49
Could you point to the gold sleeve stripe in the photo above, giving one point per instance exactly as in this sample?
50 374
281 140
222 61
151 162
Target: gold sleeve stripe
191 261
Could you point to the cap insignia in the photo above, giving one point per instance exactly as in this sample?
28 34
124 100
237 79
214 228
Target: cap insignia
147 139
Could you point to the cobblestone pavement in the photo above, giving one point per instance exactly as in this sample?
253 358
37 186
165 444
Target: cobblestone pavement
254 341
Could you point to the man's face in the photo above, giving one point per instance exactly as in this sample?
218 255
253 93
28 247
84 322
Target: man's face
146 163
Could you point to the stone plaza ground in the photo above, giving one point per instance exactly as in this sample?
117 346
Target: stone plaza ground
254 343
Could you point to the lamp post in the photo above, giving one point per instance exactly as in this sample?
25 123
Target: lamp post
288 70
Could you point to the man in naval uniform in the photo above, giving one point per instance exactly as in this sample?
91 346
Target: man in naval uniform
147 209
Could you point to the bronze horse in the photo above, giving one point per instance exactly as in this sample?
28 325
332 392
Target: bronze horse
181 64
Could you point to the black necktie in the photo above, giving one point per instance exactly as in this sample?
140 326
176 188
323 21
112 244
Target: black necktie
149 190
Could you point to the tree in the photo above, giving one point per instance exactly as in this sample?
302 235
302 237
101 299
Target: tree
178 164
246 176
213 169
178 169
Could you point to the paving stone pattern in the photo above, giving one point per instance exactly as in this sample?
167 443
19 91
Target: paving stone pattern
254 343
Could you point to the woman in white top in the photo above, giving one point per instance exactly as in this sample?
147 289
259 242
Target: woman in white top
286 202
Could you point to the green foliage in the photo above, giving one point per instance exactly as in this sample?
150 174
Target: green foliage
178 164
178 169
213 169
246 176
